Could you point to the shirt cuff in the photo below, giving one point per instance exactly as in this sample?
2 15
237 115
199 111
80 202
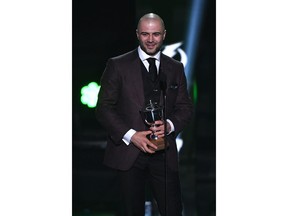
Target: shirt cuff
171 125
127 137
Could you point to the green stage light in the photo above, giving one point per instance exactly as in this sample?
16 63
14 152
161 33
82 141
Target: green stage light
195 91
89 94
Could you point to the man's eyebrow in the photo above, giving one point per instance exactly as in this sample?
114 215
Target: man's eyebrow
150 33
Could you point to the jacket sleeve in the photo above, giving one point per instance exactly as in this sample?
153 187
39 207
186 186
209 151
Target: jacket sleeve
106 109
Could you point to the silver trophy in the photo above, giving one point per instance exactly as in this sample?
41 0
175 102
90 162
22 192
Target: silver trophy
152 113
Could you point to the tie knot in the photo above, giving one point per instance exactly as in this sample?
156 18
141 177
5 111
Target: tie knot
151 60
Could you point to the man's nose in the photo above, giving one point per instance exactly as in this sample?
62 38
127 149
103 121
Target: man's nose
150 38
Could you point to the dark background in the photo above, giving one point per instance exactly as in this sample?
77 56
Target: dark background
101 31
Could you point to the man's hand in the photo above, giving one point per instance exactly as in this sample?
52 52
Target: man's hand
158 129
140 140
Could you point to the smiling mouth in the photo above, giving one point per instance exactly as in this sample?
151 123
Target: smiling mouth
150 46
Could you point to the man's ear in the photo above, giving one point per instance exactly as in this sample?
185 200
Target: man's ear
164 34
137 34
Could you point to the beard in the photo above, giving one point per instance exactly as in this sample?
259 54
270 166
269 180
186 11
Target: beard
152 51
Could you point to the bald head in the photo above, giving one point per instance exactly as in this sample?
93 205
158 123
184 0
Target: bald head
151 17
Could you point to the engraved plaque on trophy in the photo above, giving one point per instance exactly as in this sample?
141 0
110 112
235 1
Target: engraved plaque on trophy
152 113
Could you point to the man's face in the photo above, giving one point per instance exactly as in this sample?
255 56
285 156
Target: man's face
150 35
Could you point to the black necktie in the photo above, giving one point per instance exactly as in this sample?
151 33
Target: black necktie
152 69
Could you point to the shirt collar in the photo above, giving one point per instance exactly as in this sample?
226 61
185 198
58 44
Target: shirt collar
143 56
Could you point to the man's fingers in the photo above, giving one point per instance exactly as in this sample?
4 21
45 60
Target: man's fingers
151 146
159 122
147 132
143 143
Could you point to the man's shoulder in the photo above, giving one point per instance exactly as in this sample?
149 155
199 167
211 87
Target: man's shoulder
169 60
126 56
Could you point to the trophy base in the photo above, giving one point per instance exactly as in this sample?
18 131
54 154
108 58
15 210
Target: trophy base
160 143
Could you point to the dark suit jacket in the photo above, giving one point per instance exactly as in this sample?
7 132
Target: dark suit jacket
121 98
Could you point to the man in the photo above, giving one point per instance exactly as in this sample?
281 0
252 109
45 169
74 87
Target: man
127 86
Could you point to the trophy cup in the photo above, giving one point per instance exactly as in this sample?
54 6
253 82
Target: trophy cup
152 113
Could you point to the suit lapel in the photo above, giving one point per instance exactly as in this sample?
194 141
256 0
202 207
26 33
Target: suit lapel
164 68
137 82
